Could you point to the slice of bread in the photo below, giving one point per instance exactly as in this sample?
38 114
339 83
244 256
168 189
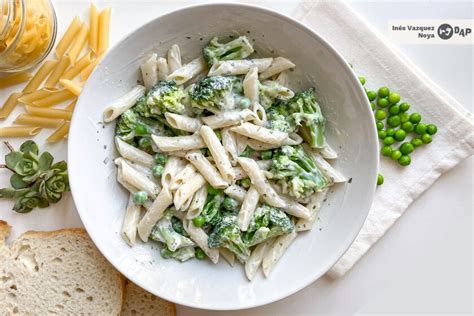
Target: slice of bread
62 272
139 302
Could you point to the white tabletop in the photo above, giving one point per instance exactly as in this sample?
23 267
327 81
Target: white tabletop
424 263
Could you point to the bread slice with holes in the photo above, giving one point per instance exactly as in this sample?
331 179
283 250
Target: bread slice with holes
59 272
139 302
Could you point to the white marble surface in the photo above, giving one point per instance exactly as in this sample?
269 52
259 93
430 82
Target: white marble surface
424 263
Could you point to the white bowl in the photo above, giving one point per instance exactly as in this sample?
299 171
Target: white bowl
351 131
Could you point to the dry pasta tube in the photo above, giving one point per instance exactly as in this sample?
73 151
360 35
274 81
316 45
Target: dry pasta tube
37 95
61 67
59 134
80 65
94 27
71 86
19 131
71 106
15 79
55 97
79 43
68 37
104 26
49 113
39 76
88 70
31 120
9 105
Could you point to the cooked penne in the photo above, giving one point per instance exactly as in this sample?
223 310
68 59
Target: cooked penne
241 141
239 67
227 255
275 252
59 133
71 86
200 237
256 258
188 71
228 118
53 98
294 208
218 153
260 133
239 173
123 103
236 192
172 167
198 202
68 37
163 69
178 153
103 34
9 105
206 169
161 203
248 208
78 44
14 79
19 131
149 71
260 182
130 222
332 174
187 189
183 122
230 145
137 179
38 121
250 85
80 65
327 152
283 78
50 113
40 76
174 58
313 206
134 154
187 172
94 27
58 71
278 65
260 116
166 143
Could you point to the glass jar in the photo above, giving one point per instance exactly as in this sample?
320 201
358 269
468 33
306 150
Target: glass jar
27 33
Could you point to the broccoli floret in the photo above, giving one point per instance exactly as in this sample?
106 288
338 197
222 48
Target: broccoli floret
182 254
270 91
215 93
297 171
165 96
164 232
178 226
231 205
267 222
278 118
306 113
210 212
226 234
238 48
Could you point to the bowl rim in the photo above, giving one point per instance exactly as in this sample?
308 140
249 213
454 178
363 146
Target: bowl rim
348 71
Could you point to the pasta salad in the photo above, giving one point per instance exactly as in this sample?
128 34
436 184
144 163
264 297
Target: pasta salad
220 156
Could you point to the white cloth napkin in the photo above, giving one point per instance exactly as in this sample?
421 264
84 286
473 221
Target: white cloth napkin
383 64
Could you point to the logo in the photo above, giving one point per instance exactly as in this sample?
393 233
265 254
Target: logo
445 31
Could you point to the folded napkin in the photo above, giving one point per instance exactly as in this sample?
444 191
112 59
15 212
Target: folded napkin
383 64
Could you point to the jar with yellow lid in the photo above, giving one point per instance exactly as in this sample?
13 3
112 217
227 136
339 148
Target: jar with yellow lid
27 33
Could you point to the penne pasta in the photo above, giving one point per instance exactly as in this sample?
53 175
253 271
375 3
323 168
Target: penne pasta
178 143
327 152
19 131
236 192
200 237
198 202
94 27
260 133
278 65
260 116
9 105
275 252
283 78
49 113
174 58
332 174
80 65
188 71
130 222
228 118
261 184
134 154
14 79
172 167
250 85
70 107
149 71
36 95
228 256
248 208
53 98
38 121
294 208
137 179
57 72
187 189
161 203
88 70
239 67
78 44
68 37
103 32
230 145
40 76
163 69
59 133
313 206
184 174
218 153
182 122
123 103
206 169
71 86
256 258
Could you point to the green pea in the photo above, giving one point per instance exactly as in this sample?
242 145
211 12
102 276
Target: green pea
382 134
416 142
380 115
393 98
245 183
404 117
387 141
382 102
404 107
229 204
140 130
199 254
394 109
372 105
245 103
431 129
390 131
406 148
212 191
362 80
400 135
384 92
407 126
379 125
140 197
415 118
394 120
420 128
160 159
404 160
199 221
266 154
379 179
144 142
158 171
371 95
426 138
396 154
386 151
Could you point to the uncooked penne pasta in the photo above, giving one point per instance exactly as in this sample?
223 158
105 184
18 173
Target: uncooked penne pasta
206 169
80 65
275 252
183 122
134 154
14 79
19 131
130 222
198 202
218 153
260 133
149 71
47 112
94 27
88 70
187 189
228 118
239 67
236 192
78 44
58 71
53 98
178 143
256 258
278 65
73 87
313 206
174 58
163 69
33 96
40 76
123 103
161 203
38 121
248 208
103 35
59 133
188 71
9 105
200 238
68 37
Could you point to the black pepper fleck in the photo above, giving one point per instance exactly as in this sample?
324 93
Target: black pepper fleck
201 39
188 37
350 180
